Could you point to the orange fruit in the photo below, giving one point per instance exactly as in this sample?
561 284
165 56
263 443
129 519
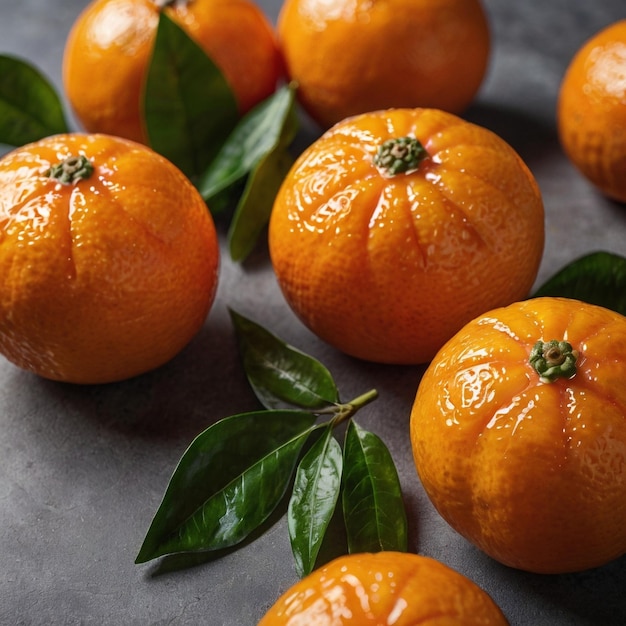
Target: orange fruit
108 258
114 39
355 57
591 111
388 266
519 434
384 588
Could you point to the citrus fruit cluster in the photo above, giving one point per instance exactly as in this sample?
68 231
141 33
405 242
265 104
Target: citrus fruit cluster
517 427
404 234
242 43
385 255
109 254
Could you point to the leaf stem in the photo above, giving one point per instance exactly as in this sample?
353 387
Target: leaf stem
346 410
363 399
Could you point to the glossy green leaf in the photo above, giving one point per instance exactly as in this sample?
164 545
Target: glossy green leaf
30 108
279 374
372 499
313 501
227 483
255 205
597 278
189 107
260 132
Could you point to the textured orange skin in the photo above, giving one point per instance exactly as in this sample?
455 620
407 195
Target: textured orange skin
388 268
592 111
109 46
359 56
106 278
402 589
532 473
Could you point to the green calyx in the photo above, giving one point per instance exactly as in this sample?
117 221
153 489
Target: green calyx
399 155
71 170
553 359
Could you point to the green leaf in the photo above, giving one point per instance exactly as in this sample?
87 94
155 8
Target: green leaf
263 129
30 108
189 107
227 483
255 206
313 501
597 278
281 375
372 500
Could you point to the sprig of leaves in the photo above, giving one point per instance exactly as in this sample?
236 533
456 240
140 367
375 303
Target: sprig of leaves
236 473
192 118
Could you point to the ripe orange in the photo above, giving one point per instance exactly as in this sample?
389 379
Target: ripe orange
108 258
591 111
355 57
387 266
109 46
521 445
384 588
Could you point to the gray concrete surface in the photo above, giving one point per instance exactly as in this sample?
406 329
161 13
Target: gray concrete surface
82 469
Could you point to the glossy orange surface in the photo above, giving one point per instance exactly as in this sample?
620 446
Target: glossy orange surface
109 46
388 267
390 588
356 56
592 111
533 473
109 276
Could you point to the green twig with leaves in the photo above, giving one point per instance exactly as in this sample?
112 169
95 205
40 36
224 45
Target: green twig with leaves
237 472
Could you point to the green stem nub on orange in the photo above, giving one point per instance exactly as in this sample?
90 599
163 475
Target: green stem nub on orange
71 170
553 359
399 155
